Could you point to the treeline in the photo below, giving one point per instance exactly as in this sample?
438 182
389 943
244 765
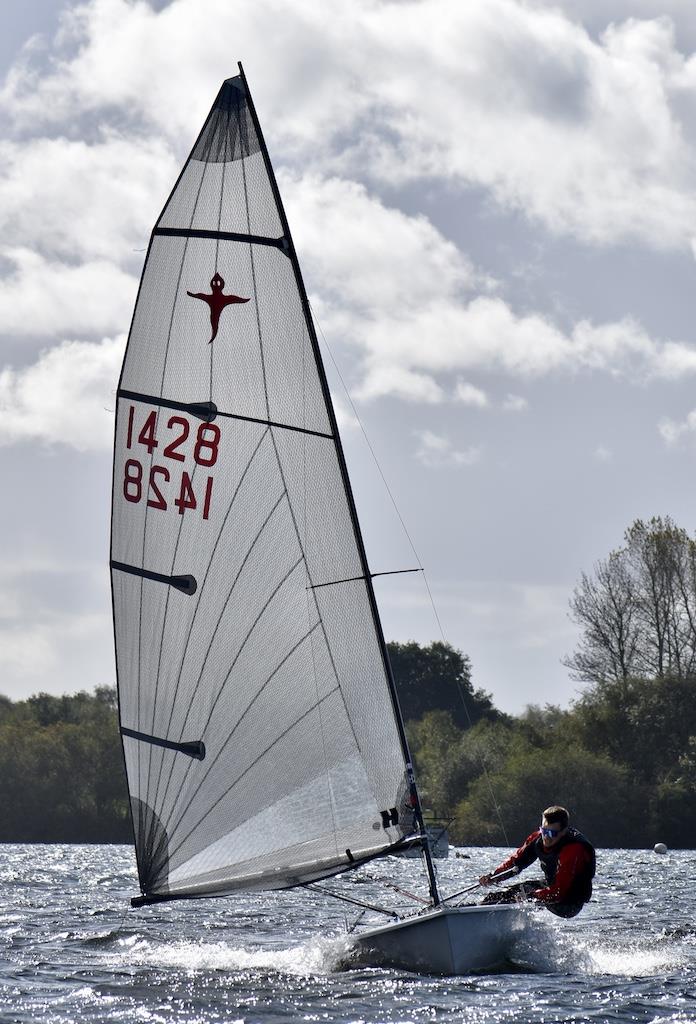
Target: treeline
622 757
61 770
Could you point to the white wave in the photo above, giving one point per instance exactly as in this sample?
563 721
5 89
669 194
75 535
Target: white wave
552 947
318 956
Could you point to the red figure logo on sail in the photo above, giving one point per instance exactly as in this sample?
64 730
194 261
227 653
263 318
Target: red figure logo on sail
217 301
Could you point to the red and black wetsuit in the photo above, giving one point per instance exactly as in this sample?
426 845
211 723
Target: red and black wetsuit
568 866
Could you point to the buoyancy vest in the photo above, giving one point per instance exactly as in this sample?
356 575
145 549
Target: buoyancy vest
581 890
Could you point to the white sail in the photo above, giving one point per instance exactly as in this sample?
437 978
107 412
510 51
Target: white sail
261 740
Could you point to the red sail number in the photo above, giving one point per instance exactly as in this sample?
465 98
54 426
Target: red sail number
206 448
184 492
159 475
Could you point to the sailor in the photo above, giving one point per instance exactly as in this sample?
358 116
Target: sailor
567 860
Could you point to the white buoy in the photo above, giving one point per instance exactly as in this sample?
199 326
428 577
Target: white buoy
659 848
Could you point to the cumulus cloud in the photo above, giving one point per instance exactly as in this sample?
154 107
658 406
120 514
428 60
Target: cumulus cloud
515 403
414 325
68 198
592 137
50 298
437 451
469 394
672 431
65 397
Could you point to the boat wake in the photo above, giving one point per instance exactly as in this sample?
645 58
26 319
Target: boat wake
549 949
317 956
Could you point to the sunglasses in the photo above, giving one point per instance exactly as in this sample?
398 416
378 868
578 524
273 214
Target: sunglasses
550 833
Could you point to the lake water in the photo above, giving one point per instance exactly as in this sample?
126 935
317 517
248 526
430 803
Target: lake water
72 949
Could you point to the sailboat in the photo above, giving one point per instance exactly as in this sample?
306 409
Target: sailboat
262 736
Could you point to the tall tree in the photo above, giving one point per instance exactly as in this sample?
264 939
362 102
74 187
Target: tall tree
437 677
637 610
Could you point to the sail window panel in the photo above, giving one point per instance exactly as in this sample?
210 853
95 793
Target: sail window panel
241 670
235 666
298 860
306 811
245 775
356 655
258 840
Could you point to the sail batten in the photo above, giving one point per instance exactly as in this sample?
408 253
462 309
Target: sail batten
225 236
228 471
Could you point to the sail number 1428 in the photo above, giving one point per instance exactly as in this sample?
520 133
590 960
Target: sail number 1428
156 482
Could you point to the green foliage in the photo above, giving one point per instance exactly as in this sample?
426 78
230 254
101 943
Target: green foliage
437 677
601 796
61 770
644 724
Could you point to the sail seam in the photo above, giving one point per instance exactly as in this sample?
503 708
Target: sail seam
256 759
226 679
195 612
212 639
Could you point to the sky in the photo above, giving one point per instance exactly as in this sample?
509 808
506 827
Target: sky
494 206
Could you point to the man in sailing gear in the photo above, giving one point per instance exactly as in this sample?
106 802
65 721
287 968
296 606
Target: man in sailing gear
567 860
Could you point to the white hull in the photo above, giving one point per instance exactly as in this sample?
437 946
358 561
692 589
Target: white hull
449 940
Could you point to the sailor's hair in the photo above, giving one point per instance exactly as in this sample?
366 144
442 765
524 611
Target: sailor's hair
556 815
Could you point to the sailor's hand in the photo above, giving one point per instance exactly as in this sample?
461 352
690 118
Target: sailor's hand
485 879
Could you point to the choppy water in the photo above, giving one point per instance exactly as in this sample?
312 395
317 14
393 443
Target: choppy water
71 949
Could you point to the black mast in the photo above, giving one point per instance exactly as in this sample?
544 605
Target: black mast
415 798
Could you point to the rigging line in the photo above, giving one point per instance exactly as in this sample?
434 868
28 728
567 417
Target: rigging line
349 899
417 557
210 647
401 892
174 849
201 588
225 681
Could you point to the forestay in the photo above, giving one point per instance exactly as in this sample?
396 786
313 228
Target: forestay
260 737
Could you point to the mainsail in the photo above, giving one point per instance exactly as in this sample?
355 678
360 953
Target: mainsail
262 743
